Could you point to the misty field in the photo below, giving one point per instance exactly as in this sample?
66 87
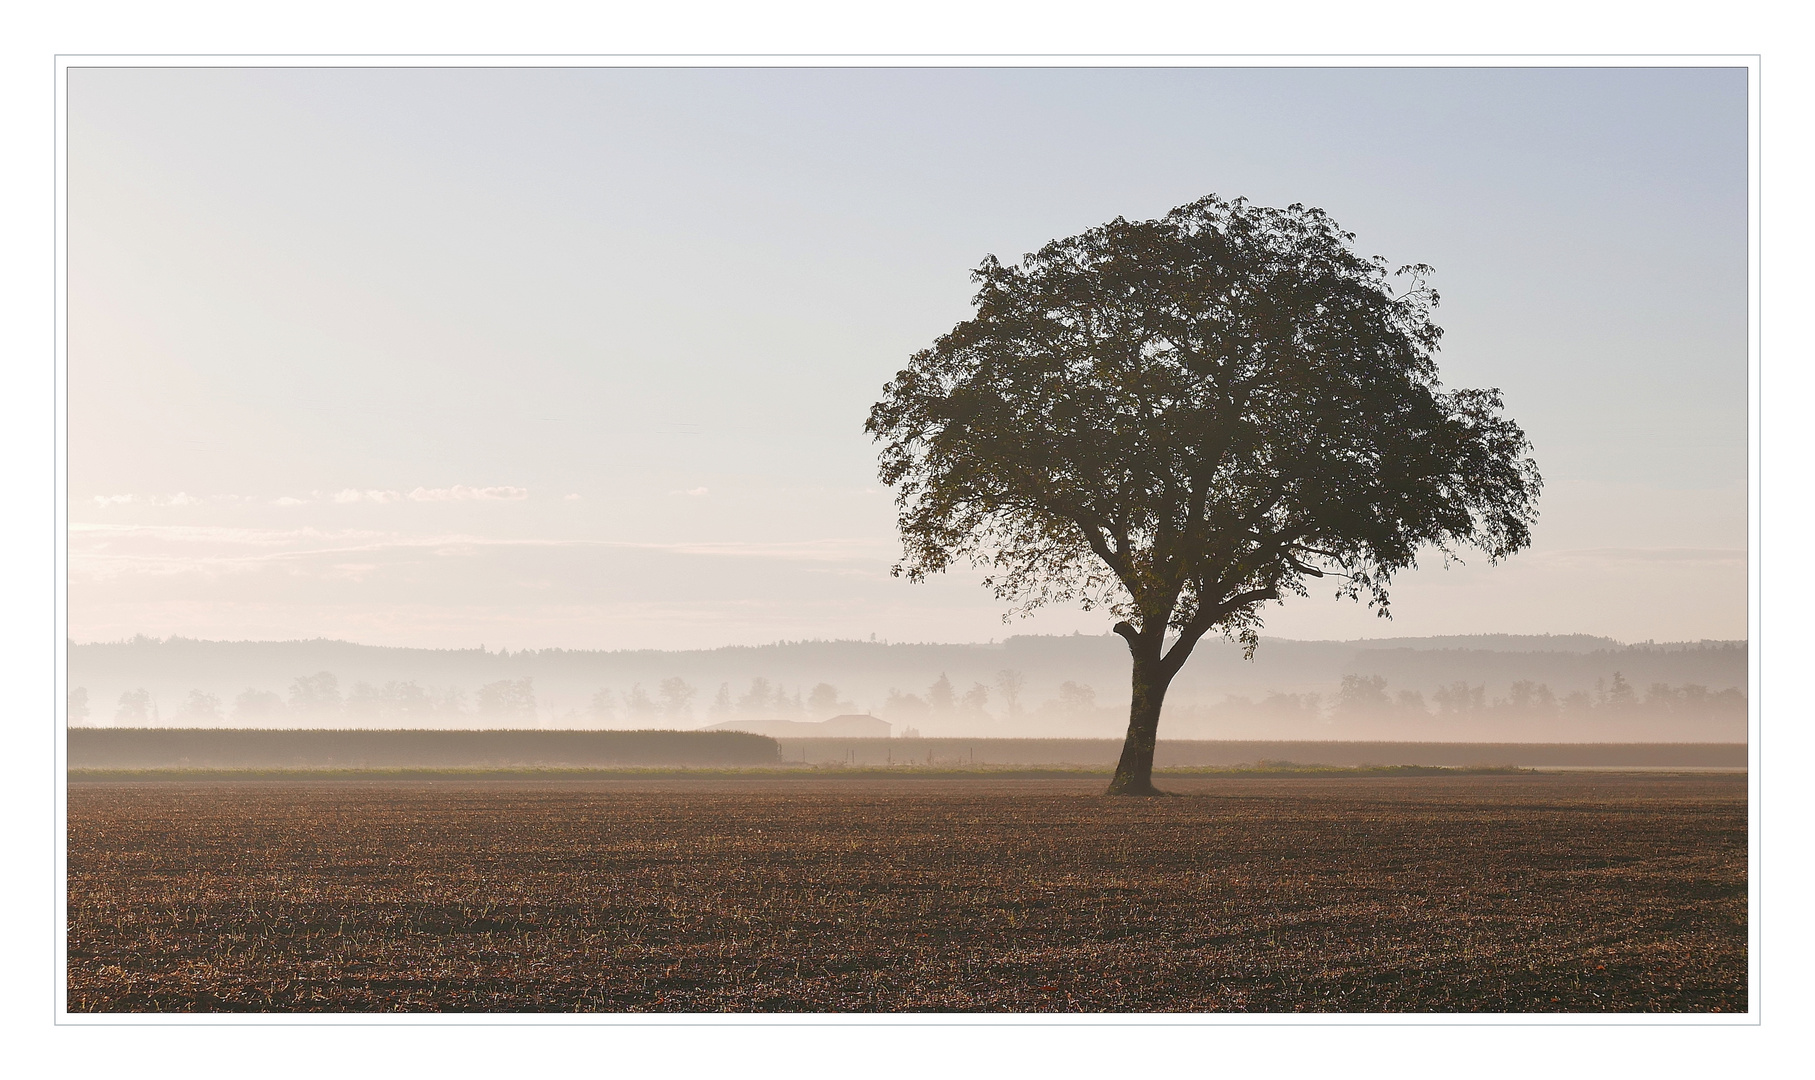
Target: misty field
1536 892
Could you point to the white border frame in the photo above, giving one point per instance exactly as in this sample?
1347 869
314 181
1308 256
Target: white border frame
1752 64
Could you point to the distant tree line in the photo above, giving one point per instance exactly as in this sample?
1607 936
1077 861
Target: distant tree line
318 698
1361 697
1366 697
761 699
943 699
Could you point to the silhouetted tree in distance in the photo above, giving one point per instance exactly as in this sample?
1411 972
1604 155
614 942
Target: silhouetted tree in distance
201 707
135 707
639 704
393 701
1076 699
1620 694
407 701
1182 419
900 707
512 698
1362 696
255 705
1526 696
450 703
677 696
317 693
824 702
1009 681
940 695
1459 698
364 702
757 700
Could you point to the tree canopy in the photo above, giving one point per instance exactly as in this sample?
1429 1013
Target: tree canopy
1182 419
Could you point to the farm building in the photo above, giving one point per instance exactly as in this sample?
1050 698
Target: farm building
848 726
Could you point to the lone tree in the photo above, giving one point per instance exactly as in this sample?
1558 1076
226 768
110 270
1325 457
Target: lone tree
1181 420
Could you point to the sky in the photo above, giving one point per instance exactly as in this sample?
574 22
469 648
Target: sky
581 357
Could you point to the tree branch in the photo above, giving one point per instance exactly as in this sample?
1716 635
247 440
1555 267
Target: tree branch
1208 616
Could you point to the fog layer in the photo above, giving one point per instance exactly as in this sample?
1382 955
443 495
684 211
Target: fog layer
1479 688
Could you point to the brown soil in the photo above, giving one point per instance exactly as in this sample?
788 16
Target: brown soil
1576 892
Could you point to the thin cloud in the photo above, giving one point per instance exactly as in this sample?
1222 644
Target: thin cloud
181 498
461 493
457 493
100 550
345 496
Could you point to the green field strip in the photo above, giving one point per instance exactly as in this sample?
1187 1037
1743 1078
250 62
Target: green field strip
904 772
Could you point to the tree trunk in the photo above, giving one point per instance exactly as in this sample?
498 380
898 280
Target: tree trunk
1134 773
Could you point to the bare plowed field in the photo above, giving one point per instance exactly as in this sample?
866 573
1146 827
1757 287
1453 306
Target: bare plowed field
1575 892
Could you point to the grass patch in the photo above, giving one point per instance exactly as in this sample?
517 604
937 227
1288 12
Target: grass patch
827 771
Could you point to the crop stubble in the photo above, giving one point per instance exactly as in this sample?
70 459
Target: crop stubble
1520 893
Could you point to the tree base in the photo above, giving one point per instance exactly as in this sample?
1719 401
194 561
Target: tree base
1118 786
